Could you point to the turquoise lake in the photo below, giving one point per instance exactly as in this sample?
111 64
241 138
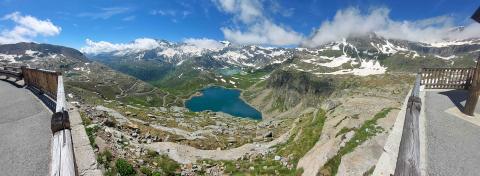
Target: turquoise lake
219 99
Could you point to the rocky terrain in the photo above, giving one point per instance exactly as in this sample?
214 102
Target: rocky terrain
325 109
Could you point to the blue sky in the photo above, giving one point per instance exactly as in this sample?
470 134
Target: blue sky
122 21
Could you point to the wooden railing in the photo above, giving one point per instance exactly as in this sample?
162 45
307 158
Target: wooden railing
447 78
408 160
51 84
44 80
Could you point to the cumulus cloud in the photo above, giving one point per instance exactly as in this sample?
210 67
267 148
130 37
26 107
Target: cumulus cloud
27 28
266 33
259 28
137 45
205 43
351 22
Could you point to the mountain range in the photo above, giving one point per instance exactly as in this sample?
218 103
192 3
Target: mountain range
181 67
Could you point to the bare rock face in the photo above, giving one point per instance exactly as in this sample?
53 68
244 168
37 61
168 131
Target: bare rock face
365 156
294 88
328 105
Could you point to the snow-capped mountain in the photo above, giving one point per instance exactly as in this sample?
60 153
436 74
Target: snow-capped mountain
172 65
346 56
366 55
177 53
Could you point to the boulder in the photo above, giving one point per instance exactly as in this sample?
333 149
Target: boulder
231 140
268 135
277 158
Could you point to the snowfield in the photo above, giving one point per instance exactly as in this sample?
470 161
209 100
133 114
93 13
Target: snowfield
366 68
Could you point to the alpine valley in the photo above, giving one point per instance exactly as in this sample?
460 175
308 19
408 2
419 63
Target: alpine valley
323 109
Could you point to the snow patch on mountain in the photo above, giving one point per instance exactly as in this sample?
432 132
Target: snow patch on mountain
32 53
388 48
169 52
234 57
337 61
277 53
83 69
8 57
445 58
370 67
453 43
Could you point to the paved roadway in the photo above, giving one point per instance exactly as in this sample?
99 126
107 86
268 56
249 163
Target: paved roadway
24 132
453 144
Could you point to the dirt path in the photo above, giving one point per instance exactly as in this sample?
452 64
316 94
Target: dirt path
165 98
186 134
123 92
186 154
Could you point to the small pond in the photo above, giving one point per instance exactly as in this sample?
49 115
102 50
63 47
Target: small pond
219 99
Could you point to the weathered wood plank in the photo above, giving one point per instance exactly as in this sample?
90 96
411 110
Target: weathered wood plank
62 154
63 162
408 161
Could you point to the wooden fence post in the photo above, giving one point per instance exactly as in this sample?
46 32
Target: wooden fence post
25 78
473 92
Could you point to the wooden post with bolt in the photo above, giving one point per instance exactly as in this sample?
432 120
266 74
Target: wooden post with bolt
473 92
474 89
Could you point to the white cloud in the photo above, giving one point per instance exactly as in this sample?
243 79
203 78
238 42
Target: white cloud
129 18
259 28
137 45
105 13
163 12
191 45
205 43
172 13
351 22
27 28
266 33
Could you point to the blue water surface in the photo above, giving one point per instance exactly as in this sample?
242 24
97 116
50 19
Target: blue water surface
225 100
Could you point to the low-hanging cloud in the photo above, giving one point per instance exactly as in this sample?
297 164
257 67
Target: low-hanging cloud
204 43
27 28
140 44
351 22
258 28
144 44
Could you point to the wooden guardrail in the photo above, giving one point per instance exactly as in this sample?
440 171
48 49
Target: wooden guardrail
44 80
51 84
447 78
408 160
